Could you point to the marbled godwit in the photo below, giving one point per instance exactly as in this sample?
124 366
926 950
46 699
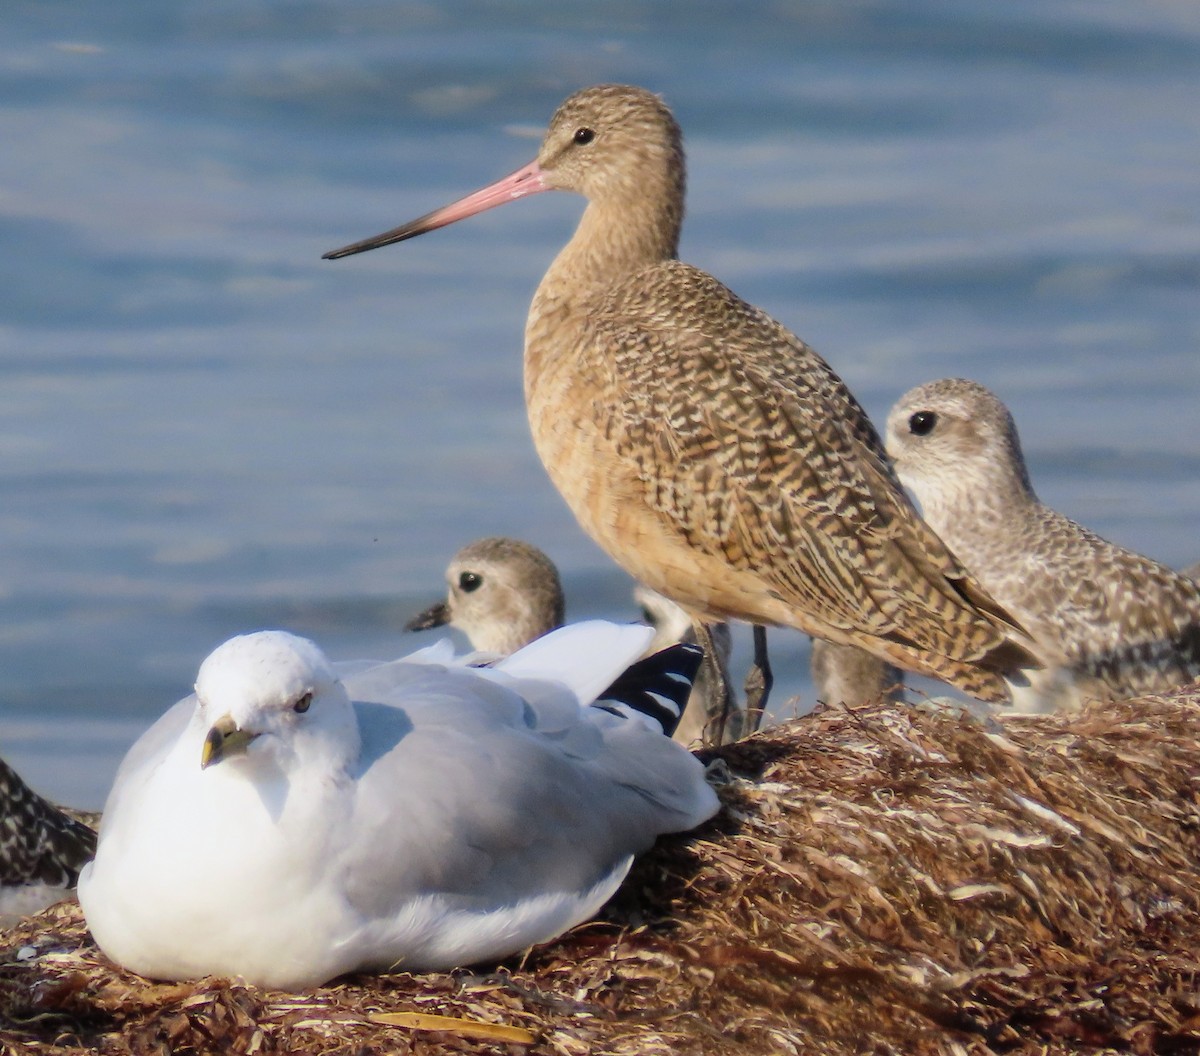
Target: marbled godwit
1121 624
295 819
710 452
504 593
42 848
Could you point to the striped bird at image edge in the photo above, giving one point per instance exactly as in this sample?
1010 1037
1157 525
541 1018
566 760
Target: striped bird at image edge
711 453
1116 623
42 848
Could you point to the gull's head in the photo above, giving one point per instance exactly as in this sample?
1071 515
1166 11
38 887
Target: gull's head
268 691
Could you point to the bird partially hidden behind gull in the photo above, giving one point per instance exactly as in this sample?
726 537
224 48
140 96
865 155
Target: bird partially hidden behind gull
711 453
504 593
840 673
294 819
849 675
1118 624
42 848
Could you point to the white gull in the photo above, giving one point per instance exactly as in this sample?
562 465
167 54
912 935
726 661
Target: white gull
296 819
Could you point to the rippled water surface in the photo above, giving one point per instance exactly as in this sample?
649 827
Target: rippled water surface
206 429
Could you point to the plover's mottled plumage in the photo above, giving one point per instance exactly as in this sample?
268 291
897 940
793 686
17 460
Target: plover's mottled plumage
42 848
711 453
1121 623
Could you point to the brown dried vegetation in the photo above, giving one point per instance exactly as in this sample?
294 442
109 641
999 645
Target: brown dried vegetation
881 880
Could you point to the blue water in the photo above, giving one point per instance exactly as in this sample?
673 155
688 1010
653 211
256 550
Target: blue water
206 429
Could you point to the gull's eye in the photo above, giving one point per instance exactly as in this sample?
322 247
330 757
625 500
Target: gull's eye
583 136
303 704
922 423
470 581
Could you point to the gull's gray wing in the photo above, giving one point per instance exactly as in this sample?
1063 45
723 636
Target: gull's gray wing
461 792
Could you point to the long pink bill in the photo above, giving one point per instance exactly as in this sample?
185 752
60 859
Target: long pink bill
520 184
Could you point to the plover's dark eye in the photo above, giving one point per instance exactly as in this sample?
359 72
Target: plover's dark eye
922 423
303 704
470 581
583 136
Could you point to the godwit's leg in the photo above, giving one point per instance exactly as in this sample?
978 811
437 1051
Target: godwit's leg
759 681
722 706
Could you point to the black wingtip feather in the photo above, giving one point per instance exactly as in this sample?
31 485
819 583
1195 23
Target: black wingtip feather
657 686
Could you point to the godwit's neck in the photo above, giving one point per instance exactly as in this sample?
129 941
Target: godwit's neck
614 240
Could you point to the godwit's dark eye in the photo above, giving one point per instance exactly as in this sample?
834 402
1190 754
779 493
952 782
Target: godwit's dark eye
470 581
303 704
583 136
922 423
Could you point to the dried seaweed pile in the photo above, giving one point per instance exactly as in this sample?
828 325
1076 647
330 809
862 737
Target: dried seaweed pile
881 881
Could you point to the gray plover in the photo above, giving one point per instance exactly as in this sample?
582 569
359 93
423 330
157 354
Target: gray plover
849 675
503 593
711 453
42 848
1119 623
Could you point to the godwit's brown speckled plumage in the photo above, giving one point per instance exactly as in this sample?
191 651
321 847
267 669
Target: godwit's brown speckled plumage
1121 624
709 451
